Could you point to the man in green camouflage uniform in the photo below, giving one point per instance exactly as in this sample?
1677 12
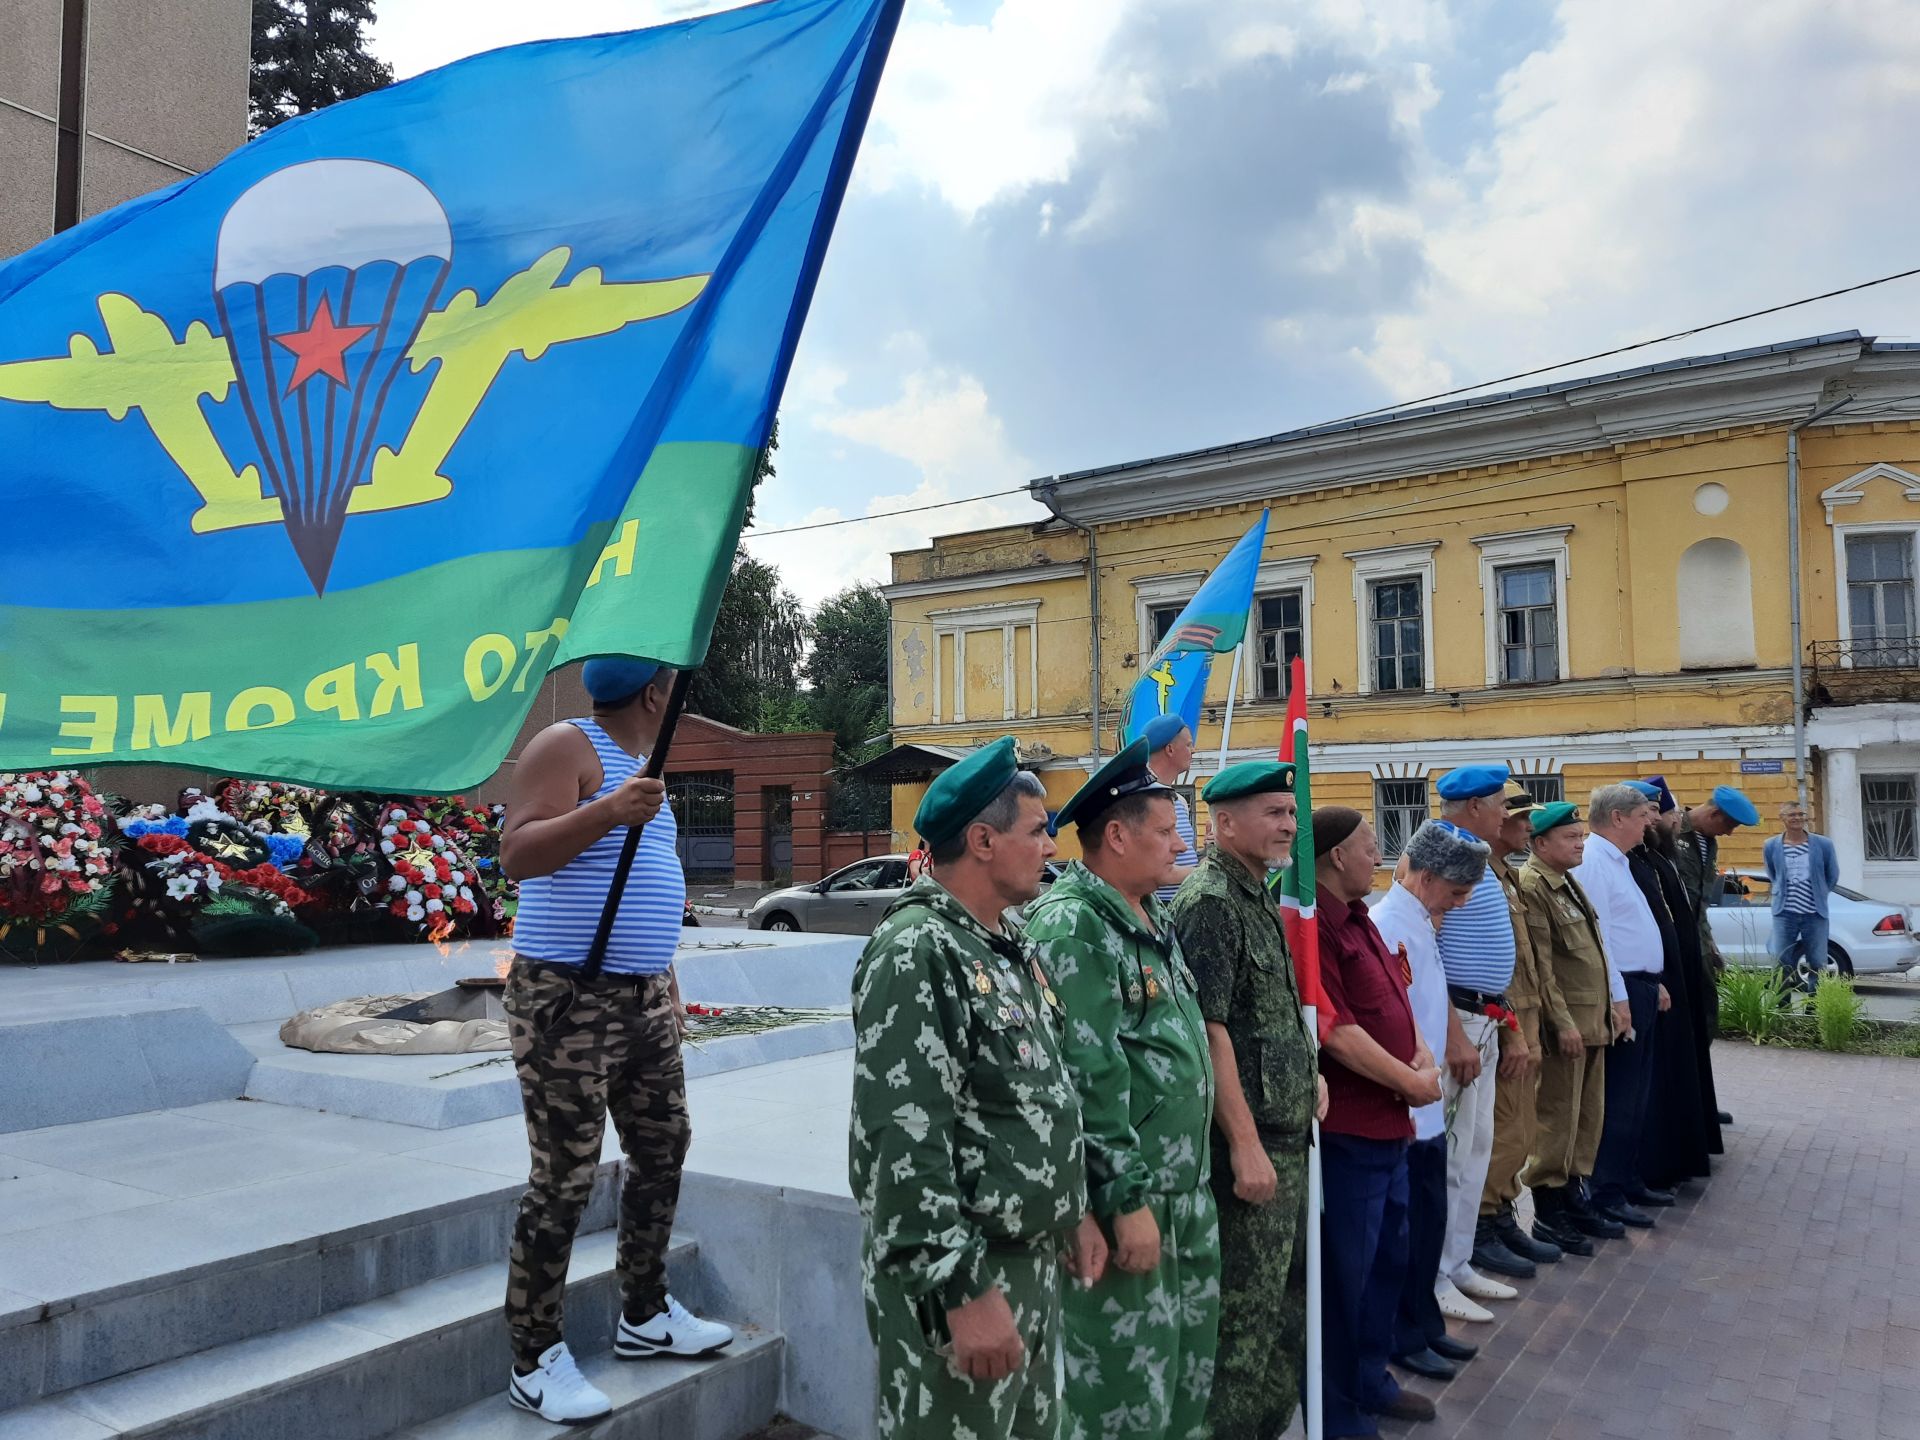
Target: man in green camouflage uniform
1269 1090
1140 1346
966 1154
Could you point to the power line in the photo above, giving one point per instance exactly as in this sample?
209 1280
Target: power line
1381 409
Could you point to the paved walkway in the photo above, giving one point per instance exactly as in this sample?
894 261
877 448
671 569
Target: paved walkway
1781 1304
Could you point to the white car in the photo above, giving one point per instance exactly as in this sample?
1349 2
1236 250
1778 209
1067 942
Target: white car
1865 936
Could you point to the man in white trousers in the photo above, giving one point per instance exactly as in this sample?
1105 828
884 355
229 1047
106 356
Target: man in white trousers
1477 950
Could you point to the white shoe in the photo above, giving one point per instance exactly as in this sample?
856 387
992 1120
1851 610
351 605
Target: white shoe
557 1391
1470 1282
1456 1306
676 1330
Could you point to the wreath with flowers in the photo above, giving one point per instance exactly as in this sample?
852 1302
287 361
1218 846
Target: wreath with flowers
477 829
206 882
57 844
432 880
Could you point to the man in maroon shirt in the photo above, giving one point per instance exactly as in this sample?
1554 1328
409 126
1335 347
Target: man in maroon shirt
1376 1070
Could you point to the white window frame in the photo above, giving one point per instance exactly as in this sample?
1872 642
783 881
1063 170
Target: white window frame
1886 772
1841 533
1548 544
1393 562
1380 830
1273 578
1006 618
1152 591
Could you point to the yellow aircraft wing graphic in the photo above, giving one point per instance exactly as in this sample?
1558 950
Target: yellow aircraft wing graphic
147 370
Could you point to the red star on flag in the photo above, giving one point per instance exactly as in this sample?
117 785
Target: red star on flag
321 348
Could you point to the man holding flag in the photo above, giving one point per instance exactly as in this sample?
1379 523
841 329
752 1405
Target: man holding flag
1268 1094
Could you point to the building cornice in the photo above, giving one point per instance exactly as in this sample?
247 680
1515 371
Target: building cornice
1773 386
986 580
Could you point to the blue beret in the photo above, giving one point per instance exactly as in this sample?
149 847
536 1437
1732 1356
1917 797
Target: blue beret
1470 782
617 678
1662 793
1250 777
1161 730
1735 806
1125 774
964 789
1652 792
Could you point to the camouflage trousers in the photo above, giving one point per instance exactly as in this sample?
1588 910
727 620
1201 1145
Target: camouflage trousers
923 1398
1263 1300
583 1050
1140 1348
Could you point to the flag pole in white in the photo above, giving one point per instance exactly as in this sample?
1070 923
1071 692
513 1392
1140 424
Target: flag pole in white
1233 693
1315 1344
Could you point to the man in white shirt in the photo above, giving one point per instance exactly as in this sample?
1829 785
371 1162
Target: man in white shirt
1438 871
1617 820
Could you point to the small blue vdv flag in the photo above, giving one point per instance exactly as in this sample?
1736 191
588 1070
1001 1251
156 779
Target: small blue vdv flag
351 439
1174 679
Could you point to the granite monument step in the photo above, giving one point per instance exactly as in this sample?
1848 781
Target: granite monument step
369 1370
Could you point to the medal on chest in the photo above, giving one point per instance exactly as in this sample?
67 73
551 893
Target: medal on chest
981 983
1153 985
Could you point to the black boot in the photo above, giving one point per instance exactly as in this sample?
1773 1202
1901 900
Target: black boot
1522 1244
1550 1221
1582 1216
1490 1254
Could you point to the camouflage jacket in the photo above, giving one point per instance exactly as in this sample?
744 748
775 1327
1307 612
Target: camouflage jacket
966 1126
1566 943
1136 1043
1534 985
1698 862
1231 935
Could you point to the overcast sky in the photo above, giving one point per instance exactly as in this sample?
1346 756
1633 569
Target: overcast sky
1088 231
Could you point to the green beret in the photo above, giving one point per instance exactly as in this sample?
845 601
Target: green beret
1250 777
1549 817
1125 774
964 789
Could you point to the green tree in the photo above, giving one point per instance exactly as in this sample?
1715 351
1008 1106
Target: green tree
308 54
759 636
847 675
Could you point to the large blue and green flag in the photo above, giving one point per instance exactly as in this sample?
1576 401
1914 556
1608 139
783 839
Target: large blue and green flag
1173 681
314 464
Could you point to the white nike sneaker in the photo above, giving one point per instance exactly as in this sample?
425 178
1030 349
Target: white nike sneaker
1471 1282
676 1330
1456 1306
557 1391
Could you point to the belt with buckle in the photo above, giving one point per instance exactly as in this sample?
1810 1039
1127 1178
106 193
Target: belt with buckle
1475 1000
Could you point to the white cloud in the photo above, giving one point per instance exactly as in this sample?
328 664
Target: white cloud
1657 165
942 424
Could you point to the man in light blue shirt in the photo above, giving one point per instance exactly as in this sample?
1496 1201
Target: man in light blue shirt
1477 952
1803 870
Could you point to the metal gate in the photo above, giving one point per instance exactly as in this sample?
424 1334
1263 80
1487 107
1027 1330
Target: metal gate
778 803
702 804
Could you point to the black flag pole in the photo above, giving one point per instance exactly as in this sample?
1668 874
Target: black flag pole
656 763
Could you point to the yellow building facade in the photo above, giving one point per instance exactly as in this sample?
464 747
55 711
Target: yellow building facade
1586 581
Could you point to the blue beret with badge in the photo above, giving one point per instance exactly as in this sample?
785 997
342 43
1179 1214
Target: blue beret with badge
1661 793
1125 774
1162 730
1470 782
1735 806
964 789
1651 792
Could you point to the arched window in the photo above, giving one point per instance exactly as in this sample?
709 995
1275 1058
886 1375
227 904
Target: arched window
1715 594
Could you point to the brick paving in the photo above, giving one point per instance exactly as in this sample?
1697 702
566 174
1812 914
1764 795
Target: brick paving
1781 1303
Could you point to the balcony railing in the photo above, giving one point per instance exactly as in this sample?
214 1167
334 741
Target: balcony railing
1859 671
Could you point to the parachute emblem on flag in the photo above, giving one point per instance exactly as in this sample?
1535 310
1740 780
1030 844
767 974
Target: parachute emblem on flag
325 278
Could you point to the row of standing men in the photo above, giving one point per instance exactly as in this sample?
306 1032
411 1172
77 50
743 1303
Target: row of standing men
1079 1145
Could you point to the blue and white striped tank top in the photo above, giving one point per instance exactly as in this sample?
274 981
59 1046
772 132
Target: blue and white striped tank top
559 912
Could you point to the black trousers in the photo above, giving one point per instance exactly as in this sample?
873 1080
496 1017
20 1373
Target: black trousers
1616 1171
1420 1321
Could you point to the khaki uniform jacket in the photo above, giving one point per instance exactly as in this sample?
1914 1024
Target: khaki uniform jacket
1566 936
1534 986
